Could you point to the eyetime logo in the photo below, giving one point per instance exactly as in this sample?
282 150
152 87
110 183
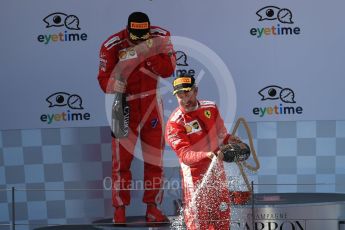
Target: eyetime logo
70 24
282 23
72 102
286 106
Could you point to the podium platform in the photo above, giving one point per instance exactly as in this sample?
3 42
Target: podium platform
299 211
133 222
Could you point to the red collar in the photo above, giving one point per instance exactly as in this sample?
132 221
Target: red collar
185 112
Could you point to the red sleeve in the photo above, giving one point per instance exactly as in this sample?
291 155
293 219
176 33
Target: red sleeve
107 61
178 140
164 62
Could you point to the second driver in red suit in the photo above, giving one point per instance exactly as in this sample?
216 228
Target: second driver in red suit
195 130
132 62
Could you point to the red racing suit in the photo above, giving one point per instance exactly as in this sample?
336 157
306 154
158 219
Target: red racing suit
141 69
191 135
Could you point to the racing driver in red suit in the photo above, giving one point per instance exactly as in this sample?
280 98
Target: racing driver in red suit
195 130
131 62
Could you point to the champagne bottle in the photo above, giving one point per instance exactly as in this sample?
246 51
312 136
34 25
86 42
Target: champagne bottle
236 152
120 116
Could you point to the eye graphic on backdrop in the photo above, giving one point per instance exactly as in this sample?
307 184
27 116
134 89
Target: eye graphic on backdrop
58 19
271 92
58 99
268 13
272 13
55 19
274 92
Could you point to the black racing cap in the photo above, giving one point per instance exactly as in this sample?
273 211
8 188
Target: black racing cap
138 25
183 83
